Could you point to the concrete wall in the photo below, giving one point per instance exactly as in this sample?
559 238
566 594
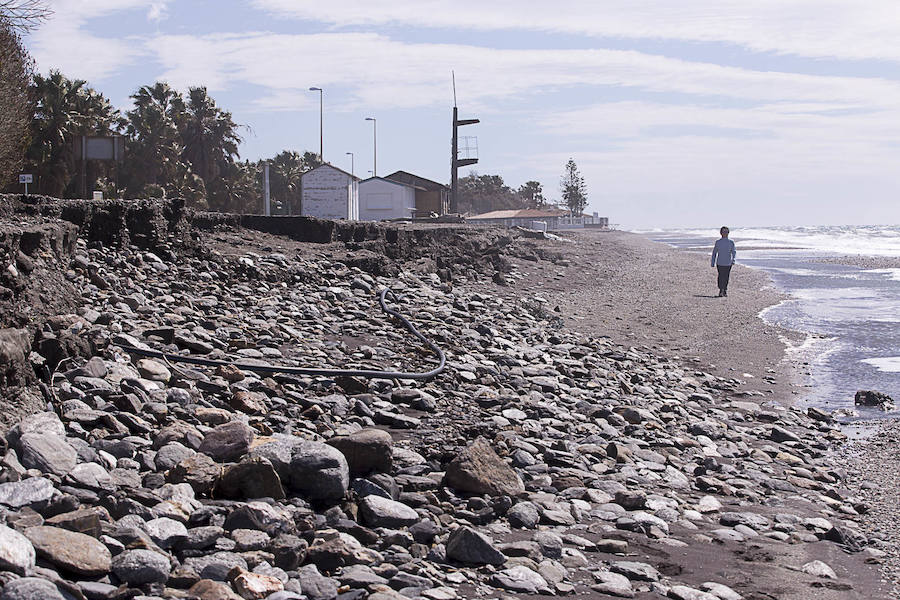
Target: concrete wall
381 199
329 194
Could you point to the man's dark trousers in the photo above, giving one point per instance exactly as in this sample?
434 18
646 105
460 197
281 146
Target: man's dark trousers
724 274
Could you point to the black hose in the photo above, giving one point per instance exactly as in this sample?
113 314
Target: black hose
365 373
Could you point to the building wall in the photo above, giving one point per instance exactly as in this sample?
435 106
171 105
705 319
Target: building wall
329 194
433 201
380 199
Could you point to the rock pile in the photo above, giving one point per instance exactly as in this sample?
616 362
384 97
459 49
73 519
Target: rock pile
540 462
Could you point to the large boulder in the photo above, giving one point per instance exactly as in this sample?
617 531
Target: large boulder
468 546
478 470
47 452
251 478
70 551
16 552
139 567
383 512
318 471
228 442
366 451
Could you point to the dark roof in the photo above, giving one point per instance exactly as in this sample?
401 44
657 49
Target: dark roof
385 179
417 181
333 167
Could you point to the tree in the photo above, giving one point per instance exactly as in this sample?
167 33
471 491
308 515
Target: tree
65 108
532 194
152 126
483 193
210 141
573 188
16 102
23 15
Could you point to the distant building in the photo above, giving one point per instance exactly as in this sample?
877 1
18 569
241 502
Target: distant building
329 193
431 196
526 217
381 198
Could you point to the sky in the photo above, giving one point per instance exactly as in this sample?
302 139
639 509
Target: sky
687 113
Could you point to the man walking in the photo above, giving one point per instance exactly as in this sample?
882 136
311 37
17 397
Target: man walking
723 255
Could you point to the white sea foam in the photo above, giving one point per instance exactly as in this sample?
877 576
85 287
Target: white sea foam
891 273
869 240
886 364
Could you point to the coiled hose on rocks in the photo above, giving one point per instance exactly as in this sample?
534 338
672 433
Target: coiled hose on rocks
364 373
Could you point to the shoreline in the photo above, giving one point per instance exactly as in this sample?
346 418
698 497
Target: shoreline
622 451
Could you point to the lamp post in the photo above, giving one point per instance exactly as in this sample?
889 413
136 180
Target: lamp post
374 146
351 163
321 119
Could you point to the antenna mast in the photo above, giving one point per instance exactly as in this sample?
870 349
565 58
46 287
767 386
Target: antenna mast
455 160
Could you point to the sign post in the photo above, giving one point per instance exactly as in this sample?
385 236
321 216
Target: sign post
26 178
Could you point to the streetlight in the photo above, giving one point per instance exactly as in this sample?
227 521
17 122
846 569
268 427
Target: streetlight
374 146
321 115
351 163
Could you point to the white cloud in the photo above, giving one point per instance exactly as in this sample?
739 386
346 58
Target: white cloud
157 12
62 43
816 28
384 73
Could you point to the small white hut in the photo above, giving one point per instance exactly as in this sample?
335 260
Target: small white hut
329 193
381 198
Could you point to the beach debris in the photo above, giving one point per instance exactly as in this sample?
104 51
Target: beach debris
874 399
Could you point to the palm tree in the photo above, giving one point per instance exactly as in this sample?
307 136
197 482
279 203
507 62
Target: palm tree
285 171
155 142
65 108
210 138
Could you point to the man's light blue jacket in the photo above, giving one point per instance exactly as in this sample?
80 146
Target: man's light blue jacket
723 253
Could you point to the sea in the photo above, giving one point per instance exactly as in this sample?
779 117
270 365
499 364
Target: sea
843 285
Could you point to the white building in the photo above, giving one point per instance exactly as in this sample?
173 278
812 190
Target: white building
329 193
381 198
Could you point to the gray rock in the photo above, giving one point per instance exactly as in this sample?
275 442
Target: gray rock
524 515
48 453
42 423
319 472
683 592
139 567
360 576
228 442
170 455
315 585
613 584
30 588
383 512
70 551
468 546
16 552
92 476
17 494
199 471
551 544
253 477
520 579
635 571
215 566
166 532
366 451
817 568
478 470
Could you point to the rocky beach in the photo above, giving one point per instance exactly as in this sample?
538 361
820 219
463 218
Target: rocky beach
603 428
